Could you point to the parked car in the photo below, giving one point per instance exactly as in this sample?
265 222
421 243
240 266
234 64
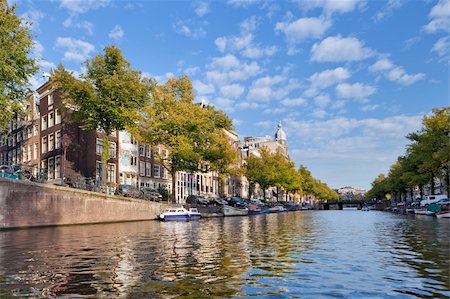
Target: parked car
431 199
236 202
195 199
152 195
128 191
219 201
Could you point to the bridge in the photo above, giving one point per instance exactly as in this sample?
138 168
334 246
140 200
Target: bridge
325 205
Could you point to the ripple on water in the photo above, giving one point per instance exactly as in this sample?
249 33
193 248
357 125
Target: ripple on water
330 254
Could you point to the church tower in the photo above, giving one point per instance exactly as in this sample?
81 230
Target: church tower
280 135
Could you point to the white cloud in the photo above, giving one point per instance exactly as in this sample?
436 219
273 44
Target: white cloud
75 49
248 105
264 124
189 29
442 46
322 101
399 75
203 88
319 113
440 17
354 91
260 93
233 91
34 16
244 44
116 33
370 107
395 73
337 48
249 24
382 64
73 22
333 6
274 111
328 77
303 28
201 9
38 49
82 6
224 104
255 52
388 9
226 69
242 3
192 70
294 102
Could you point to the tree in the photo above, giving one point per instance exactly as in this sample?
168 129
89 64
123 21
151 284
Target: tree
107 97
16 67
261 169
379 188
192 134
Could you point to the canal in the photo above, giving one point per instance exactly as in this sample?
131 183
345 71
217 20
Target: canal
306 254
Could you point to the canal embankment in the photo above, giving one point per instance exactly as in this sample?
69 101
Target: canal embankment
27 204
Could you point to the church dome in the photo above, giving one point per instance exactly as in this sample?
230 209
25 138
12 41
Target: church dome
280 135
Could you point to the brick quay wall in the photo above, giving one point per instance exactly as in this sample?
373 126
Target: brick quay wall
27 204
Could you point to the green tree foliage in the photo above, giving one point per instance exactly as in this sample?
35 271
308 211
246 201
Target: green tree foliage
192 134
108 96
379 188
16 67
426 158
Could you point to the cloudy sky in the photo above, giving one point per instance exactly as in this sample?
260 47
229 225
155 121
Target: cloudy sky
347 79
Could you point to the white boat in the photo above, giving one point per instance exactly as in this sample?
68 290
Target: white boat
365 209
179 214
232 211
443 214
423 212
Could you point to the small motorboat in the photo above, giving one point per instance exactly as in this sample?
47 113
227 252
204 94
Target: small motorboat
423 212
179 214
365 209
277 209
233 211
443 214
253 209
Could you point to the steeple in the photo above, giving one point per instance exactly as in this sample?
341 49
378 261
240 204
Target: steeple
280 135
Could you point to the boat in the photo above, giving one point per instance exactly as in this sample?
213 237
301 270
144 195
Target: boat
253 209
179 214
443 214
277 209
365 209
423 212
232 211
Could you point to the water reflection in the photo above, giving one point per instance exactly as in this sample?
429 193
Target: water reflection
347 254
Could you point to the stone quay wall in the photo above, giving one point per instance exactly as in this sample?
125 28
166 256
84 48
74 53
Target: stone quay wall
27 204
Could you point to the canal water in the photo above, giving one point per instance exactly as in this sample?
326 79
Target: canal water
305 254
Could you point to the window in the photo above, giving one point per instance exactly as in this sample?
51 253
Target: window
112 149
35 130
44 145
24 154
141 150
50 99
111 178
51 169
57 117
98 170
58 139
156 171
148 169
133 161
30 152
141 168
99 147
30 132
35 150
148 151
57 167
44 122
51 142
44 164
14 139
51 119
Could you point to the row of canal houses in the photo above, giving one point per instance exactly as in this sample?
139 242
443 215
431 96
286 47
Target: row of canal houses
46 139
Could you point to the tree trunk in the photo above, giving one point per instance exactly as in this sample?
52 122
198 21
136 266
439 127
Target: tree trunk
173 186
447 181
421 190
264 192
432 184
222 185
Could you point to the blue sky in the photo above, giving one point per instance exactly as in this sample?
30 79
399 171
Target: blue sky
348 79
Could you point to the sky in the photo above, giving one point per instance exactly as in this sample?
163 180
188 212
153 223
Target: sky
347 79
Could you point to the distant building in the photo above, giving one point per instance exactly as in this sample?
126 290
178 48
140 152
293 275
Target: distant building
351 192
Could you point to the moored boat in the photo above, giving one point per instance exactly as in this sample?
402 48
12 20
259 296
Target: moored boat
423 212
232 211
179 214
253 209
443 214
